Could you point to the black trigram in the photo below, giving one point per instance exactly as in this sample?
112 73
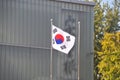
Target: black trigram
67 38
54 30
63 47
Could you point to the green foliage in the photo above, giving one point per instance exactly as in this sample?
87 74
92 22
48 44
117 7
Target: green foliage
109 65
111 18
105 24
98 29
98 20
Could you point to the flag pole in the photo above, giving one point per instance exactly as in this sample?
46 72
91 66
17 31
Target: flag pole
51 51
78 50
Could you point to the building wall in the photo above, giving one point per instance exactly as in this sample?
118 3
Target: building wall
25 39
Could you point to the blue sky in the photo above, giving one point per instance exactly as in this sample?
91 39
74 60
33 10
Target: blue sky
110 1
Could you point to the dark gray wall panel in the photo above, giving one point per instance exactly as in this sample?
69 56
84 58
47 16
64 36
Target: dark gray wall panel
20 63
25 40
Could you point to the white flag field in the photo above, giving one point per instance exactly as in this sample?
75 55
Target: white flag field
61 40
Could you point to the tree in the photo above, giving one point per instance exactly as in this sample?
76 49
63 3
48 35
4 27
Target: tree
111 18
105 20
98 29
109 65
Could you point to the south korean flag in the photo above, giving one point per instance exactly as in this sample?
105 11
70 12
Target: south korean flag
61 40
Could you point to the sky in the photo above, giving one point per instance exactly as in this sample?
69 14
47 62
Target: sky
109 1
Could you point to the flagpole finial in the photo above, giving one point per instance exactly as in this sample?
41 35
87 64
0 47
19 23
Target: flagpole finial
51 20
78 22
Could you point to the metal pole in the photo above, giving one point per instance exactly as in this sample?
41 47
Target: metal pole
51 52
78 50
